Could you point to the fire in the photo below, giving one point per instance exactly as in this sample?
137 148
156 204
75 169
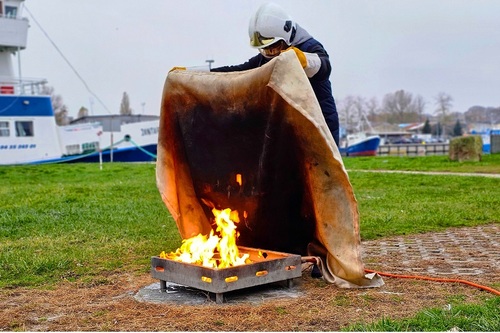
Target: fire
212 250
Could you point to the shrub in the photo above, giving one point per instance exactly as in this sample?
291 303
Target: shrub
466 148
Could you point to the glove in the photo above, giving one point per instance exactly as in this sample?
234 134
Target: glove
311 63
177 68
300 55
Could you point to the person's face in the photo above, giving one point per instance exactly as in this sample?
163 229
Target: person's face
274 49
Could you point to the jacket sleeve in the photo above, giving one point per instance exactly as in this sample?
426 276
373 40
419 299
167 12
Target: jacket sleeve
252 63
313 46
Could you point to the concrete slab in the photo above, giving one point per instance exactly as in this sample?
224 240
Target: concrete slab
179 294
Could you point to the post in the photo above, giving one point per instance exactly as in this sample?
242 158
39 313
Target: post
111 147
210 61
100 150
21 86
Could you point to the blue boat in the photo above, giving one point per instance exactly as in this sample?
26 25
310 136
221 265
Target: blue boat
360 145
29 133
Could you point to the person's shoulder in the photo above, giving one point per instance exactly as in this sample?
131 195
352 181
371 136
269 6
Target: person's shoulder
309 44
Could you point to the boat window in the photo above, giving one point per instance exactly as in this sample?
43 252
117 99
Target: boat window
1 8
89 147
24 128
4 128
73 149
10 11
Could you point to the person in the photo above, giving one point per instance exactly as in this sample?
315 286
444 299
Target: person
272 31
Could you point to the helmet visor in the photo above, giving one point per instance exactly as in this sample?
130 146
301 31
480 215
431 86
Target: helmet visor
273 50
258 41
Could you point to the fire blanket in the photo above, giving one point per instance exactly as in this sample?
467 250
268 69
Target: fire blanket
256 142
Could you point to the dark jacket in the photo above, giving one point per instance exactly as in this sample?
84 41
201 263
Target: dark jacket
320 82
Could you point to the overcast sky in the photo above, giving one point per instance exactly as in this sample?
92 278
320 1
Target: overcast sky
376 46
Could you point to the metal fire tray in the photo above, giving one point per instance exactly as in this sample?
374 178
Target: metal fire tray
268 268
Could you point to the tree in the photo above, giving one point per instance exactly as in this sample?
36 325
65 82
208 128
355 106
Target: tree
346 112
125 105
401 107
60 109
62 116
457 130
427 127
419 103
373 109
444 105
83 112
352 113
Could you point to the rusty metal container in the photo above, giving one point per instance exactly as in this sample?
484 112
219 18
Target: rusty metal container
267 268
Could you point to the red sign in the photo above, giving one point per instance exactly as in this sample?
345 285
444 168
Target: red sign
6 89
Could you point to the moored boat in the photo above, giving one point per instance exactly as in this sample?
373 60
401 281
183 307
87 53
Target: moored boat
29 133
360 145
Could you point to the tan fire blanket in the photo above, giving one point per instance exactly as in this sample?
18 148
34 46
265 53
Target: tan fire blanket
256 142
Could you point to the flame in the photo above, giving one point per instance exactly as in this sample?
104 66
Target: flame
213 251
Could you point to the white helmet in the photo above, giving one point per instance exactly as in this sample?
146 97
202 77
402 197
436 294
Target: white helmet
270 24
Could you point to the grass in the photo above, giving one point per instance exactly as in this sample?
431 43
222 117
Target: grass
483 317
490 163
401 204
77 223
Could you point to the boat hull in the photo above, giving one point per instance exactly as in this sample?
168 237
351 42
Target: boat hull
129 154
367 147
134 154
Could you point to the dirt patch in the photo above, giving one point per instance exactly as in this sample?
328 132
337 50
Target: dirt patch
323 307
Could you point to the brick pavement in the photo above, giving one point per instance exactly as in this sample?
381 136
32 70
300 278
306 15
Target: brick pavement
471 252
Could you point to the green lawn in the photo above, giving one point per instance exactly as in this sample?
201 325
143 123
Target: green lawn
76 222
464 317
79 223
490 163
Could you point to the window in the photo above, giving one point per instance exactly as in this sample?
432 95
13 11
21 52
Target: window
24 128
4 128
89 147
73 149
11 11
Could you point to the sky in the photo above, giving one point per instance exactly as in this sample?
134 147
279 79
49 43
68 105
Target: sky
376 47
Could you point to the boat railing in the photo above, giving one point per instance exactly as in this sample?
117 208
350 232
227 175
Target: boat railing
12 16
24 86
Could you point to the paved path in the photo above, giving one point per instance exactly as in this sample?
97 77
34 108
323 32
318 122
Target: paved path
458 252
490 175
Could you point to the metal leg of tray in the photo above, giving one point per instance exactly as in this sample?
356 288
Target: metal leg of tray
163 286
219 298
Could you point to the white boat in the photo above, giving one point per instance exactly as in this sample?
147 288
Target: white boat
28 130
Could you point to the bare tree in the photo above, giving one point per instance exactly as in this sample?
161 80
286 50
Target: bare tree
396 105
60 109
83 112
373 111
419 103
125 105
400 107
353 113
345 109
444 104
61 116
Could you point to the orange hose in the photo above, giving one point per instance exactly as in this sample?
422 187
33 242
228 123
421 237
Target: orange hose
418 277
